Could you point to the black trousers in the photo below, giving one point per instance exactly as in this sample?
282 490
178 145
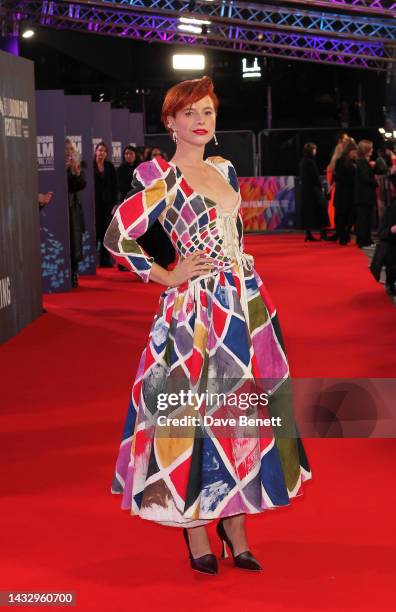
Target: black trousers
363 225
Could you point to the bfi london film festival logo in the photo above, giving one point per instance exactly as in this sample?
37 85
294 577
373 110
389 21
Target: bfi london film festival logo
16 115
117 152
95 142
5 292
45 153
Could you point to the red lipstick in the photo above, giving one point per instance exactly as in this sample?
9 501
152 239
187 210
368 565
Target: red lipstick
200 132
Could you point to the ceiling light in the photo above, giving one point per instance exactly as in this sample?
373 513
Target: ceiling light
28 33
193 21
189 28
188 61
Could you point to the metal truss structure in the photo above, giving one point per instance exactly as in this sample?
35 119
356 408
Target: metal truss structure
357 40
368 7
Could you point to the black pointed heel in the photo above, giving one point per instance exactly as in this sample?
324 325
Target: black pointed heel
207 564
244 560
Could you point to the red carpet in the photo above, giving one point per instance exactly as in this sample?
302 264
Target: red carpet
66 382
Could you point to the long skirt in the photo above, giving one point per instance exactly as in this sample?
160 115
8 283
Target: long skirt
203 337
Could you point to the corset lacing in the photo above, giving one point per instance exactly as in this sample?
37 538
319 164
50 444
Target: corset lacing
228 233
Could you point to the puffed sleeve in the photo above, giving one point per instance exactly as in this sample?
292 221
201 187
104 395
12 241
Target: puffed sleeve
158 183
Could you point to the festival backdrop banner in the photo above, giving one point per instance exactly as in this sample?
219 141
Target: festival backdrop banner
79 129
20 269
268 203
136 129
54 217
119 133
101 125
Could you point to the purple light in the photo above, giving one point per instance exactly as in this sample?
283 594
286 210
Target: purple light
10 44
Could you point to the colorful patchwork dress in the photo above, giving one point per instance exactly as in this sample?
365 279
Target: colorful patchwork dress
217 330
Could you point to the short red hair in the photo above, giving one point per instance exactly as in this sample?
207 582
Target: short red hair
186 93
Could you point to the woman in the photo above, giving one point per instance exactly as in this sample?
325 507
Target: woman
344 175
75 182
156 152
106 198
342 141
365 193
215 326
124 177
313 202
126 169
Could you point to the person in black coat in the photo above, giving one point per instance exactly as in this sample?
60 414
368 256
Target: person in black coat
106 198
314 213
125 171
75 182
125 176
381 167
344 176
365 193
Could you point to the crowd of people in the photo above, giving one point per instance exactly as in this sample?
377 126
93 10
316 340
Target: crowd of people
111 187
360 191
363 194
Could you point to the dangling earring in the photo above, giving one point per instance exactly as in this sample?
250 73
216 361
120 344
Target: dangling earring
174 133
215 139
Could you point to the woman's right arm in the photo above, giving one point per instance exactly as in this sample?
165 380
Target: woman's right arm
136 214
